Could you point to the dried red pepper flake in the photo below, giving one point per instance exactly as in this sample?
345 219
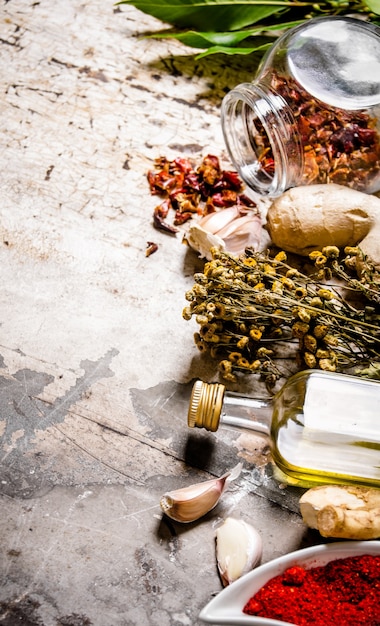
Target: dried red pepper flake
183 164
338 145
231 180
344 592
159 215
161 182
245 201
189 190
209 171
182 218
162 209
168 175
184 202
191 182
224 199
151 248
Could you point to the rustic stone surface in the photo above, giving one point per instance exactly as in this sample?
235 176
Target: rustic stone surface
96 362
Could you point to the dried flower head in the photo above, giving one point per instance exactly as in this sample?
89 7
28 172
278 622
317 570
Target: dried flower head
241 319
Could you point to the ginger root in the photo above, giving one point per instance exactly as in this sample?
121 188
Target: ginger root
342 511
309 218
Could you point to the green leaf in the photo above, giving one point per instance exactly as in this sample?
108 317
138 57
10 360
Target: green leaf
203 40
373 5
215 15
231 51
196 39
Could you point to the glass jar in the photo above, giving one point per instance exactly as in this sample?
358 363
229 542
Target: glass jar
312 113
323 426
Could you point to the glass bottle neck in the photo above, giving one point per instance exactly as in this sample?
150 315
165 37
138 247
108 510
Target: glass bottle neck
246 413
262 138
211 405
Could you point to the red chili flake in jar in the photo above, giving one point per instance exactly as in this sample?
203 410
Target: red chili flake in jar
344 592
339 146
312 113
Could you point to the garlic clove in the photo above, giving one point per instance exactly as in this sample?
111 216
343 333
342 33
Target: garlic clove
190 503
231 229
214 222
236 224
238 549
203 241
244 232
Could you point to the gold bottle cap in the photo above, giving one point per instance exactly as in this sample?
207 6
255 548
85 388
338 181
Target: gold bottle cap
205 405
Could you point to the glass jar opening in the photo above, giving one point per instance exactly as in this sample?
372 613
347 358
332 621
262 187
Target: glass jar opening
337 61
256 127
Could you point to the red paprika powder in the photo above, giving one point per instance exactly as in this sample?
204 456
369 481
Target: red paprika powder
344 592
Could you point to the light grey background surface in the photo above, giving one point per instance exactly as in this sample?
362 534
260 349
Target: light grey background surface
96 362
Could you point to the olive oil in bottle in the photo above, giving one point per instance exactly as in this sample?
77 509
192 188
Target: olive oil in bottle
323 427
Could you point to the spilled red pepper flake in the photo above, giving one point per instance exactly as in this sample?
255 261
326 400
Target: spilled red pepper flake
151 248
344 592
191 191
159 215
182 218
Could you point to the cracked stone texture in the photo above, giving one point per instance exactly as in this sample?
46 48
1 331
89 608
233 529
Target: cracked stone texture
96 361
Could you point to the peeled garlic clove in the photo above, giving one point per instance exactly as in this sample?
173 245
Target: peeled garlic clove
190 503
238 549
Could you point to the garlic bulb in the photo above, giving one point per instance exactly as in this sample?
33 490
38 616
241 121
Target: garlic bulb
232 229
190 503
238 549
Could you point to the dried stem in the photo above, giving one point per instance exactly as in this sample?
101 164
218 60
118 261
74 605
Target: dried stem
244 304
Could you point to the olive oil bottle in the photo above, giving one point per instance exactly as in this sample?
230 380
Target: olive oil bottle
323 427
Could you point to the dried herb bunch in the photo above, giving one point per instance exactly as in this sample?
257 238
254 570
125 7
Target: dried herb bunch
244 305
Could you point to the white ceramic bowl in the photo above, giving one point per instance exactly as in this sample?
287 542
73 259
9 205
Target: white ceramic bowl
227 606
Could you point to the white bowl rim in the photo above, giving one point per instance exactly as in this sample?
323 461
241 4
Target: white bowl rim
226 607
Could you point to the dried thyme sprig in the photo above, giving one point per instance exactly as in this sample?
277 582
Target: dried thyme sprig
369 282
244 304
